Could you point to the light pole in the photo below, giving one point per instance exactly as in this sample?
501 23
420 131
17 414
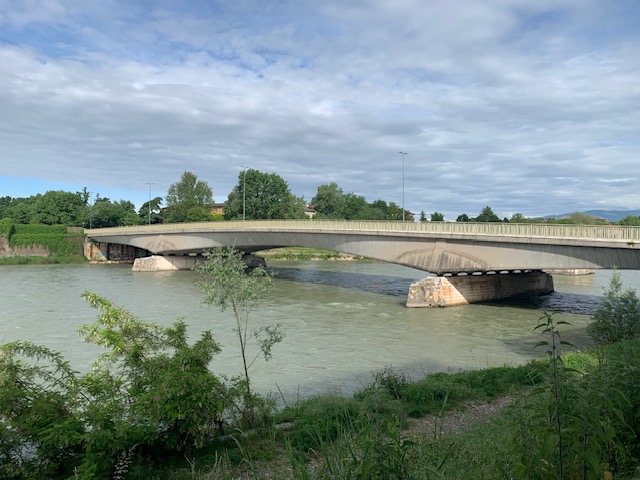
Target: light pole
90 211
244 191
149 204
403 154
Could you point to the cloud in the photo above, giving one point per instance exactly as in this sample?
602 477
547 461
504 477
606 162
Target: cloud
528 108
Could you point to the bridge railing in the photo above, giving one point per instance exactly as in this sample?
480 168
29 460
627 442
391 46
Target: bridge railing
604 232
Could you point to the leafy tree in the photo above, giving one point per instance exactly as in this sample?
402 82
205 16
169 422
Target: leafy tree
617 316
22 210
581 218
228 283
517 218
58 208
423 217
630 220
155 206
267 196
105 213
186 194
462 218
356 207
487 215
329 201
437 217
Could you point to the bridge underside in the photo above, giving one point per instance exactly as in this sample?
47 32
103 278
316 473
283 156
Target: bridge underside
429 253
474 268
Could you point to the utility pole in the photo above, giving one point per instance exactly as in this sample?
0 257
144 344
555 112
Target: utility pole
244 192
403 154
149 204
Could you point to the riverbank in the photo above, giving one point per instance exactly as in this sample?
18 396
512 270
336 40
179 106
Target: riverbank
490 423
303 253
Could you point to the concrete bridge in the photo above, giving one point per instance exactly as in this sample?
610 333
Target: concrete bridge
473 261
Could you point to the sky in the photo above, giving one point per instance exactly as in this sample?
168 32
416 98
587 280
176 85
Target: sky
528 107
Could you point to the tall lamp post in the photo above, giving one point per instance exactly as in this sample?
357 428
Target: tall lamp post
244 192
90 211
403 154
149 204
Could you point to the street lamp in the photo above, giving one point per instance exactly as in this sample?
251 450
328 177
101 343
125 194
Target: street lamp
244 192
90 211
149 204
403 154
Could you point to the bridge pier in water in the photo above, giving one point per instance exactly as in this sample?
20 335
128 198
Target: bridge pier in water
448 291
159 263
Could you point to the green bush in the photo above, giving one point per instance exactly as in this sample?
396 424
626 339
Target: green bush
56 244
617 316
7 228
149 393
40 229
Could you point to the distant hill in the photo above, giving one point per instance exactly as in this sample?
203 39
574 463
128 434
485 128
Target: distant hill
609 215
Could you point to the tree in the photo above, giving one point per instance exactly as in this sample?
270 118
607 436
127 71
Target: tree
517 218
437 217
58 208
487 215
155 206
423 217
329 201
463 217
617 316
630 220
186 194
228 283
267 196
105 213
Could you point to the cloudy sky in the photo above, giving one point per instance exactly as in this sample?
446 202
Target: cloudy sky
526 106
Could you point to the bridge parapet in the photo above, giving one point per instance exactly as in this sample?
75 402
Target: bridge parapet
593 232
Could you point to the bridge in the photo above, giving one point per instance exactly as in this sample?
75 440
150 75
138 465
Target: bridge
469 256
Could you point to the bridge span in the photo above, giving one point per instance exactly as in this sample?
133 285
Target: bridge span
455 250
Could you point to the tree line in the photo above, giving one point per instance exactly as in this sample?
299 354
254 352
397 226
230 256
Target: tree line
256 196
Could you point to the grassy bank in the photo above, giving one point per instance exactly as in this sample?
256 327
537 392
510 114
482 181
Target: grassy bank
40 244
303 253
586 403
55 259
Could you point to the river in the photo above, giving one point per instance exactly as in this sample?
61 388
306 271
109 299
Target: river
342 320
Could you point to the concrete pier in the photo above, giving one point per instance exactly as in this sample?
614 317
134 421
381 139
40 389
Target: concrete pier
159 263
465 289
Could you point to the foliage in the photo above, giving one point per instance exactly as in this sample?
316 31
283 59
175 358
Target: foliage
189 192
185 195
617 316
151 211
329 201
150 392
7 228
630 220
105 213
58 207
463 218
487 215
227 283
437 217
267 196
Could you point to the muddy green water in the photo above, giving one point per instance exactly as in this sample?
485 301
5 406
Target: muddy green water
342 320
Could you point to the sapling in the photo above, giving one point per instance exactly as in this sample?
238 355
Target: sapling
229 283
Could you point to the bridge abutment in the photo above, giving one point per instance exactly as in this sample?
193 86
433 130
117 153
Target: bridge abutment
465 289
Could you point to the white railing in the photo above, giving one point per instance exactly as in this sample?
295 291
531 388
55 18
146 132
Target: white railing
604 232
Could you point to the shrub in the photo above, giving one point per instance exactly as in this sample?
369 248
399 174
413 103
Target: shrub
617 316
150 392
